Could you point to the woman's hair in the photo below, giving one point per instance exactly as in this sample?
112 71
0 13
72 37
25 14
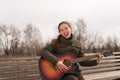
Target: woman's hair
63 22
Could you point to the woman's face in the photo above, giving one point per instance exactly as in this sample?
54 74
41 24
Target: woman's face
65 30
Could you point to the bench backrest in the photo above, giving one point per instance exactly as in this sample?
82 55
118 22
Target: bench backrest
27 68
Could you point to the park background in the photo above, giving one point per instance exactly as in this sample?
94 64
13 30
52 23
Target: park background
26 26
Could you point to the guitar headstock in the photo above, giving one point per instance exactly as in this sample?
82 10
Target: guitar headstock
107 53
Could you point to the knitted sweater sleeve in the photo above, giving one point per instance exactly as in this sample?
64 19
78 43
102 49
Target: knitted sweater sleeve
87 63
47 53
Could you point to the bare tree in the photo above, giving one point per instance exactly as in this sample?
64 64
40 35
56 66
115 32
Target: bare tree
10 39
89 41
109 43
5 38
32 40
80 32
15 36
115 45
1 44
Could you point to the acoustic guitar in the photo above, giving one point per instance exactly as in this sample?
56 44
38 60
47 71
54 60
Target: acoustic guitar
50 72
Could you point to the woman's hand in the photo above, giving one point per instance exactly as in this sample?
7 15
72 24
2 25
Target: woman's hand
62 67
99 58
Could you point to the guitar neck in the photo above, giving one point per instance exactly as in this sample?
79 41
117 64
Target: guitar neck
83 58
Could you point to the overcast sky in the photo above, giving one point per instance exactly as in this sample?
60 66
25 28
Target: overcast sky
99 15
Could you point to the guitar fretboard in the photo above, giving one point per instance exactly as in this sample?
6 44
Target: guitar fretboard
83 58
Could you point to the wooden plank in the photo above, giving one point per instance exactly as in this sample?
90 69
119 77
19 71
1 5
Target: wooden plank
19 58
91 71
18 63
103 76
101 66
20 74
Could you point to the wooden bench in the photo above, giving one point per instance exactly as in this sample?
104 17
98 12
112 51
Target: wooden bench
19 68
26 68
107 69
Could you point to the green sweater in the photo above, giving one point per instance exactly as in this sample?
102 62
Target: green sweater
61 45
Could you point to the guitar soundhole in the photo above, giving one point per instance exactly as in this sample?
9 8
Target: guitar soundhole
67 62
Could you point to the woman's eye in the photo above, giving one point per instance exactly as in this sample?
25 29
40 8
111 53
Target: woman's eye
66 28
61 30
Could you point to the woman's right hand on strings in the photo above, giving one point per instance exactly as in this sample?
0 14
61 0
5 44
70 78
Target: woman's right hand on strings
62 67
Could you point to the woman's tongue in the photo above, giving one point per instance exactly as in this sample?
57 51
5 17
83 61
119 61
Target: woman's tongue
66 34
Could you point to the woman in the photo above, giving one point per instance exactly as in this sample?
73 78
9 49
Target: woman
66 42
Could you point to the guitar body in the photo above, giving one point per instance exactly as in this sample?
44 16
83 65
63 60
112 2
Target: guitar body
50 72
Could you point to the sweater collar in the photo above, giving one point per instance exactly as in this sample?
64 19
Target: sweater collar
66 40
